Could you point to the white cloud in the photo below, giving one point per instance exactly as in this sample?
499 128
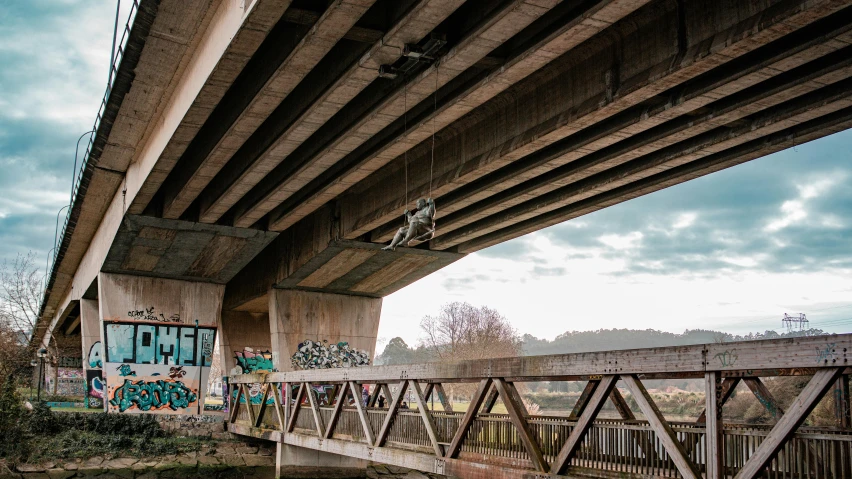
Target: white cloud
795 211
685 220
622 242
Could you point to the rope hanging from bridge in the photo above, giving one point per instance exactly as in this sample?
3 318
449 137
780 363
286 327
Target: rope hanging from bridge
426 207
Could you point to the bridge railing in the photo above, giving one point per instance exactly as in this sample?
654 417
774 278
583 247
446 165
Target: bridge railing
290 409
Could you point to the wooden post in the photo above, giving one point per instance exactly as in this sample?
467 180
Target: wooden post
621 405
259 419
296 408
252 417
355 388
786 427
765 397
714 394
279 410
661 427
427 419
287 398
312 399
236 406
841 402
469 416
729 385
580 406
393 408
335 415
490 400
516 415
601 390
442 397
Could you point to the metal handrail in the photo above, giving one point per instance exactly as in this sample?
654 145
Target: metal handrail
117 56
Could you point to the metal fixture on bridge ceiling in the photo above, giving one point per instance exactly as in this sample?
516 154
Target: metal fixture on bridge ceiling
412 55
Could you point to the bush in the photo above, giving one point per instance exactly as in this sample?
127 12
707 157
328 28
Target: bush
40 434
12 422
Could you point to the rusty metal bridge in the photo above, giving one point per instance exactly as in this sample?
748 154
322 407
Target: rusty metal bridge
477 443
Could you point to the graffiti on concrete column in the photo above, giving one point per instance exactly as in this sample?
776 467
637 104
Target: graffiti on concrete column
156 367
95 389
125 370
252 362
147 395
322 355
248 361
70 382
135 343
95 352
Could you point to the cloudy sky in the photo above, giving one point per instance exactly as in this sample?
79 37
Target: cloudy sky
731 251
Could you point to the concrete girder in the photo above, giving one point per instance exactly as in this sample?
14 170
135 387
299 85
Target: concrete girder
568 190
578 162
458 164
216 68
585 25
415 25
257 105
157 50
798 134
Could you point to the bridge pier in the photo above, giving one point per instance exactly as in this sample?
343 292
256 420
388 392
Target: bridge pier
327 319
157 333
294 461
91 330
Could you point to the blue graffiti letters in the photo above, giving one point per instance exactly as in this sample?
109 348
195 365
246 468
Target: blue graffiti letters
124 370
170 344
95 353
152 395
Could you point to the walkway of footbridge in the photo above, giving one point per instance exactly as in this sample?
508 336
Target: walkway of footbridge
477 443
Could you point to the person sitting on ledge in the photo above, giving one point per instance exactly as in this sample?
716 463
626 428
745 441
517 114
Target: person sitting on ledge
421 224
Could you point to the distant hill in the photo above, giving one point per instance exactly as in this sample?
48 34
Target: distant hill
398 352
613 339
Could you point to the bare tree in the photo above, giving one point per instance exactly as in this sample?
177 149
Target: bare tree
462 331
20 300
20 293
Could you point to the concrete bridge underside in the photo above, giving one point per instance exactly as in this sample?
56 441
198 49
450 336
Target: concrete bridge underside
254 155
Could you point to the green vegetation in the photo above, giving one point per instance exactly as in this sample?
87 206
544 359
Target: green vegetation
40 434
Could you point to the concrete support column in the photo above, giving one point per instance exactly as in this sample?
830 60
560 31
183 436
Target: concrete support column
158 342
295 461
305 325
90 332
245 346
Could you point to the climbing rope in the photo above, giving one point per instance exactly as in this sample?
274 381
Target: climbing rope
404 132
434 114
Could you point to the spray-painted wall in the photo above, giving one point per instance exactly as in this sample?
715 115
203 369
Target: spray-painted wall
158 343
90 331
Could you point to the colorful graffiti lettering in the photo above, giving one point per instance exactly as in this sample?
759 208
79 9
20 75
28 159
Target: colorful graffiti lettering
177 372
68 373
251 362
124 370
827 353
152 395
95 353
136 343
320 355
95 389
